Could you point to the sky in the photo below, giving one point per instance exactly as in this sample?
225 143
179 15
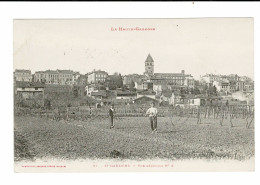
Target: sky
198 45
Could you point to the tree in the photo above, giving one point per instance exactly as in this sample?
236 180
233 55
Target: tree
205 89
214 90
75 91
182 91
196 91
120 81
132 86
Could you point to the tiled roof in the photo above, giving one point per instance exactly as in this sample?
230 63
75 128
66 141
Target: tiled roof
99 71
149 58
22 71
99 93
168 74
65 71
125 92
167 94
146 92
146 97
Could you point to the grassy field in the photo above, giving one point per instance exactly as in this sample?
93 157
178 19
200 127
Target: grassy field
177 138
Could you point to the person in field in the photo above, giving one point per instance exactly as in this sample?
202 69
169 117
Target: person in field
152 113
111 115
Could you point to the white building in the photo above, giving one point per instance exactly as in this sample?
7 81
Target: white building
23 75
222 86
97 76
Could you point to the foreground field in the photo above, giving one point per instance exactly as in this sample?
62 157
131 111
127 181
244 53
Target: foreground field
177 138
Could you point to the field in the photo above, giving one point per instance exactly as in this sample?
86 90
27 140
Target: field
177 138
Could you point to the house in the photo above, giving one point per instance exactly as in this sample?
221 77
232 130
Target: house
29 94
93 88
146 101
23 75
172 78
99 95
147 93
210 78
97 76
165 97
194 102
222 86
189 81
128 79
204 100
159 88
243 96
139 86
175 98
61 77
75 77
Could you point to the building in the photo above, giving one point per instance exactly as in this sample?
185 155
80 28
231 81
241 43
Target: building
175 98
62 77
172 78
146 101
149 66
210 78
128 79
22 75
189 81
93 88
148 93
75 77
222 86
66 77
139 86
249 86
29 94
99 95
165 97
97 76
159 88
181 79
129 95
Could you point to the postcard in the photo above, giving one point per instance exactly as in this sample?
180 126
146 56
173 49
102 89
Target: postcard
133 95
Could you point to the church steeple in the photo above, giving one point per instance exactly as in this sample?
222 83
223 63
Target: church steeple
149 65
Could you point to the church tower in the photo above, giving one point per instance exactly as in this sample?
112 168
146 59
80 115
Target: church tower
149 65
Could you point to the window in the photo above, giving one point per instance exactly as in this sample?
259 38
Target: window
36 88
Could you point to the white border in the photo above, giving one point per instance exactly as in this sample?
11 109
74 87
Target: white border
19 10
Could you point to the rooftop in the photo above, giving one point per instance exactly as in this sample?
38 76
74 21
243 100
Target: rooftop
146 97
168 74
22 71
119 92
98 71
146 92
149 58
99 93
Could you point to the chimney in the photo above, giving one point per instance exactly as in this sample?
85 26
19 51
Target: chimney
182 71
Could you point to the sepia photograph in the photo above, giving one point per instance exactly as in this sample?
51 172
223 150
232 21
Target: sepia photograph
133 95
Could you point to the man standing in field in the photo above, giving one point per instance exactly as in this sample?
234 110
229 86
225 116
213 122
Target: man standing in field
111 115
152 113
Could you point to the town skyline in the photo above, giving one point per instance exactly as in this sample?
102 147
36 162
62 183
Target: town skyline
111 73
215 45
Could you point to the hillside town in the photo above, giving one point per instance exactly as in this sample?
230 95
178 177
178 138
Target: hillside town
98 88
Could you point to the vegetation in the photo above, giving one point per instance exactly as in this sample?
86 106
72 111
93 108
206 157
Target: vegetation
177 138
